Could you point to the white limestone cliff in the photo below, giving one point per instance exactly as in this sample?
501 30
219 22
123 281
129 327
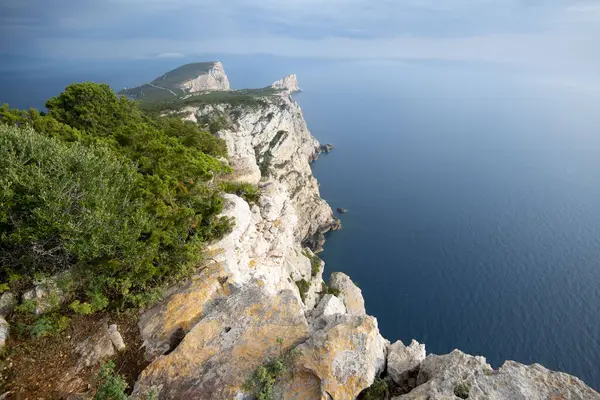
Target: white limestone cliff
214 79
244 307
288 84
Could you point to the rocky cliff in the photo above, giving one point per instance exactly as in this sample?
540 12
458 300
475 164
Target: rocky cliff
257 318
288 84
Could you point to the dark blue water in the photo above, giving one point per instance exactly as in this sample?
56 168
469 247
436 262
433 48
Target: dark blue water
473 194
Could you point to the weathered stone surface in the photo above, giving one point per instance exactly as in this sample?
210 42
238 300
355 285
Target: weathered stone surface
99 346
214 79
328 306
350 294
116 338
223 349
4 332
288 84
8 301
183 307
439 376
339 361
48 294
403 359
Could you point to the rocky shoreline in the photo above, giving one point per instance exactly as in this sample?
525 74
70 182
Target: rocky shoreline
262 295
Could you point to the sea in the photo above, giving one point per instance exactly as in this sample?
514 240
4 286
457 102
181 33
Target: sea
472 190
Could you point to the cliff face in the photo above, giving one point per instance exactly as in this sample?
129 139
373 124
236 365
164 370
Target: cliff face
245 307
213 79
288 84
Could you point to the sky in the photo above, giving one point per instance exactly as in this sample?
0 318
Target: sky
554 34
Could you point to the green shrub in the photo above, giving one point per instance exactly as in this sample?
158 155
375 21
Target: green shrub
303 287
112 385
326 289
247 191
122 199
262 381
462 389
377 391
46 325
81 308
315 263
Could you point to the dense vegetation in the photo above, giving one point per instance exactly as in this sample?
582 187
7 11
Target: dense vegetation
97 187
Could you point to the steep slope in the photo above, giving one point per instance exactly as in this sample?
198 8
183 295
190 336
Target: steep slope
189 78
261 296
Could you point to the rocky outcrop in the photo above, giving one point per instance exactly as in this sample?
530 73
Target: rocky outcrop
8 301
402 360
350 294
288 84
49 294
214 79
223 349
260 295
459 375
103 344
338 361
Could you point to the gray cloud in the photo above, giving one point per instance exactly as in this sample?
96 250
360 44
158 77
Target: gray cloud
549 33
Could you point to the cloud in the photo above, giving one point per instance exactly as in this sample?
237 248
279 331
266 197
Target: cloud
548 33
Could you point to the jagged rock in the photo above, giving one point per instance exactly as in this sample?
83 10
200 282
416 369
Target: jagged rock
223 349
8 301
350 294
99 346
4 332
440 377
339 361
183 307
48 294
214 79
288 84
116 338
404 359
328 306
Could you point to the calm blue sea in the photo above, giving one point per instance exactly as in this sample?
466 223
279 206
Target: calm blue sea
473 194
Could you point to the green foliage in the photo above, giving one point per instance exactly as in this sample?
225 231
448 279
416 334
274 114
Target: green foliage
247 191
122 199
315 262
462 389
377 391
113 385
46 325
81 308
303 287
326 289
4 287
26 307
262 381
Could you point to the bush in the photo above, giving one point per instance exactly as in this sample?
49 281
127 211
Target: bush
112 386
303 287
124 200
462 390
315 262
377 391
262 381
247 191
326 289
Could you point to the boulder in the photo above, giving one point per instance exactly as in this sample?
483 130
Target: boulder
350 294
338 361
404 359
459 375
99 346
183 307
8 301
224 348
49 294
4 331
